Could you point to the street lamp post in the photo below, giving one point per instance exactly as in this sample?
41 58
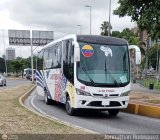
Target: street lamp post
109 28
31 55
80 27
89 6
4 53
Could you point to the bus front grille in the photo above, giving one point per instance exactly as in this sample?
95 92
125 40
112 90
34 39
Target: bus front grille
99 104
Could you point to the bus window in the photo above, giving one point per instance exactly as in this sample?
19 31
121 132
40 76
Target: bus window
40 61
68 61
59 51
55 55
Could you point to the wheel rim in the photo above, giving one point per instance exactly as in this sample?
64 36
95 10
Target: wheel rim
68 106
46 100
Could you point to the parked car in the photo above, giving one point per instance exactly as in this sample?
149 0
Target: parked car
2 80
29 74
34 77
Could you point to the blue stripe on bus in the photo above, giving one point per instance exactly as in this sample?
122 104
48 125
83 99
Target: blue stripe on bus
39 80
39 84
39 74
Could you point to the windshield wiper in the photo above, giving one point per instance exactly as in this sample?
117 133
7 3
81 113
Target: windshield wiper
84 69
106 71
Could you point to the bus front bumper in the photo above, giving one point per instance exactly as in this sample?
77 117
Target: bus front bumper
89 102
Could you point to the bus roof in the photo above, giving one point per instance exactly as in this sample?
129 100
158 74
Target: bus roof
98 39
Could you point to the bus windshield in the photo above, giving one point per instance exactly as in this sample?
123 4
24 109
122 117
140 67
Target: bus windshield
103 65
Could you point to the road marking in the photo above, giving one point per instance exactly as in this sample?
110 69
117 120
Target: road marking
58 120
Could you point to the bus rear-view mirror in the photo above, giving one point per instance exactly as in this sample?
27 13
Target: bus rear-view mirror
137 53
77 54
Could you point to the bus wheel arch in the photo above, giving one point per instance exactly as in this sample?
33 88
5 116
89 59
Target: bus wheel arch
113 112
46 99
69 109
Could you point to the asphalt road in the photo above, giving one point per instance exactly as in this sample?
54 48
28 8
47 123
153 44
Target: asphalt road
15 82
101 122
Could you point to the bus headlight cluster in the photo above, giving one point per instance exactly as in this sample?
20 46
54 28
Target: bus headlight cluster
125 93
80 92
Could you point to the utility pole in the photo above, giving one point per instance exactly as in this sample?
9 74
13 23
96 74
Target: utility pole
5 53
80 27
109 28
31 55
89 6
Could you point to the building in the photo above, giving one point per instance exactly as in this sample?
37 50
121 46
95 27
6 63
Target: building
10 54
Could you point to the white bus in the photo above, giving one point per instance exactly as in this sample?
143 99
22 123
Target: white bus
86 72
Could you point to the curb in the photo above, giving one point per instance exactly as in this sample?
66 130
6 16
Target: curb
24 97
143 109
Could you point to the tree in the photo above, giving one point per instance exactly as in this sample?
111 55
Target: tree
17 66
116 34
104 27
127 33
152 56
145 12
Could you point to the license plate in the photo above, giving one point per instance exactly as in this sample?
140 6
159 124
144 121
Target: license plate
105 102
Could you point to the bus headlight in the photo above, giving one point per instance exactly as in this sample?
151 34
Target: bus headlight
125 93
80 92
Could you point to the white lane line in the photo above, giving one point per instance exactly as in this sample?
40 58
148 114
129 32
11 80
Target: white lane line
58 120
36 108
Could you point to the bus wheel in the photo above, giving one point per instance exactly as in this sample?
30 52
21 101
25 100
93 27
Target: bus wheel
70 111
113 112
46 99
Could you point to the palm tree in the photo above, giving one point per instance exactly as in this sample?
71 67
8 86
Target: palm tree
104 27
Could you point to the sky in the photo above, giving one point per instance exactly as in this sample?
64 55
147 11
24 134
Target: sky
60 16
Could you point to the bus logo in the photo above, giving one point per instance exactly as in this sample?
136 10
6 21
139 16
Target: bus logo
87 51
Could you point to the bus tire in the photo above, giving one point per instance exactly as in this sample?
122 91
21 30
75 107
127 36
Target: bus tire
46 99
70 110
113 112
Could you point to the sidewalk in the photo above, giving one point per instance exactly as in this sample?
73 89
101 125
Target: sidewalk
135 87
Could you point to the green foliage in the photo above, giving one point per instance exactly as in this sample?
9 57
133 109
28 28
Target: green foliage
116 34
145 12
104 27
152 56
127 34
17 66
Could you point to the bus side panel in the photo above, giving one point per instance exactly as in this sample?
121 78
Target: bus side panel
56 84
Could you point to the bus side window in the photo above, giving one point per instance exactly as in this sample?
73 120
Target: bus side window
52 56
59 54
55 54
68 61
71 62
40 61
45 57
65 59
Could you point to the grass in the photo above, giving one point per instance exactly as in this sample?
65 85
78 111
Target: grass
145 97
150 80
14 119
153 101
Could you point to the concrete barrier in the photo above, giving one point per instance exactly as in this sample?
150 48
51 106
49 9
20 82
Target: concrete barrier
144 109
